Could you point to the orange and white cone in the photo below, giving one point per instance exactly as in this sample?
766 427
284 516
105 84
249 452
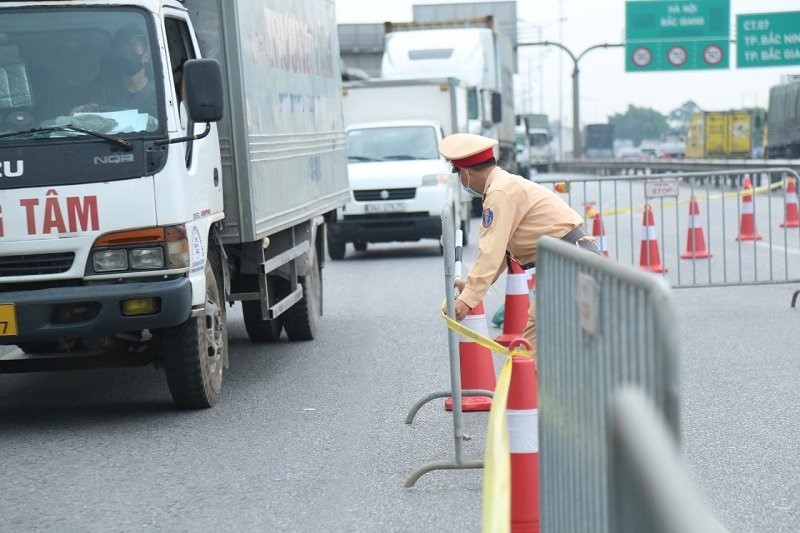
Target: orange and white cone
747 225
695 241
531 273
792 216
598 231
649 256
522 420
515 315
477 364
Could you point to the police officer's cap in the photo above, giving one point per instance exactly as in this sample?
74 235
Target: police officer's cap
467 149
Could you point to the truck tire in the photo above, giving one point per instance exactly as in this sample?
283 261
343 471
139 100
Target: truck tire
195 352
259 330
336 249
302 319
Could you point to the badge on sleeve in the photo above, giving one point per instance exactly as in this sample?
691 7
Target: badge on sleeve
488 216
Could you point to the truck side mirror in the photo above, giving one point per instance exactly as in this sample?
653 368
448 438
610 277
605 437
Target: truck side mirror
497 108
203 85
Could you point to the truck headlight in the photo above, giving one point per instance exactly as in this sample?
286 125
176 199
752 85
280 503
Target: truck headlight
110 260
153 248
432 180
147 258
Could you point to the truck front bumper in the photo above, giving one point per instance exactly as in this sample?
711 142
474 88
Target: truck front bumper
383 228
95 310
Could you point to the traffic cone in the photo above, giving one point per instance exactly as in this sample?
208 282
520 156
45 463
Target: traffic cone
792 217
531 273
747 225
695 241
477 364
522 420
649 256
517 304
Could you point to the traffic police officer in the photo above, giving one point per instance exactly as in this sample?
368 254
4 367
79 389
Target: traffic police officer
516 213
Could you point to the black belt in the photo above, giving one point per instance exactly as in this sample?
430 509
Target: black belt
573 236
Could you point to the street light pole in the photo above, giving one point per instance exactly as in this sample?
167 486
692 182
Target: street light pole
576 132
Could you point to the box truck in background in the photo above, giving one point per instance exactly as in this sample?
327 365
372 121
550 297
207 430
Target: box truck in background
126 229
476 52
720 134
399 182
537 128
783 120
598 141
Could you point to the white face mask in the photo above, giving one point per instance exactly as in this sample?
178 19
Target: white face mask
472 192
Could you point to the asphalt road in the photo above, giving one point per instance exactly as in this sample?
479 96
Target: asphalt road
311 436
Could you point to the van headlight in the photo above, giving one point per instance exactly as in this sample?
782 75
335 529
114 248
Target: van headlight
432 180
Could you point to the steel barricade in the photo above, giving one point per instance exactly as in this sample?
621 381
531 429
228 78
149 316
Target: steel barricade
766 251
600 324
449 223
649 488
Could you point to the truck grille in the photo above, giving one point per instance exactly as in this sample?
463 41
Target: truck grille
377 195
34 265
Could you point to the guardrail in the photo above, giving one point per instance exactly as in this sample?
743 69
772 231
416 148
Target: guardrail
611 167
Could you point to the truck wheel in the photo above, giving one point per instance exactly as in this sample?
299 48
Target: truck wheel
259 330
360 246
301 320
194 352
336 249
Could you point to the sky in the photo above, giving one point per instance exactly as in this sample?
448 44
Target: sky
544 80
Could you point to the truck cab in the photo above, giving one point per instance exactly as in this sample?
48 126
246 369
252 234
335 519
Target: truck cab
399 184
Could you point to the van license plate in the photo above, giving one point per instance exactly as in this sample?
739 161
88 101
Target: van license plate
8 320
384 207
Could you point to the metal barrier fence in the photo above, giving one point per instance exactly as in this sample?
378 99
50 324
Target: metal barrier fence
650 490
600 324
737 254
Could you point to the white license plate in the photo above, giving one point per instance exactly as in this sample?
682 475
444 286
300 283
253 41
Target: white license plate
384 207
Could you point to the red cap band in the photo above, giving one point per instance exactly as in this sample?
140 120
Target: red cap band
474 159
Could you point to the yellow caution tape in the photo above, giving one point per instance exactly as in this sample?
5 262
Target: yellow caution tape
733 194
496 504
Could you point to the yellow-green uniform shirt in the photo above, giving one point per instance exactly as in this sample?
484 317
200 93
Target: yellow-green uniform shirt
516 213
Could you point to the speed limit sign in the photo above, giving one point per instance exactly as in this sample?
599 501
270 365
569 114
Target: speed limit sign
677 56
641 57
712 54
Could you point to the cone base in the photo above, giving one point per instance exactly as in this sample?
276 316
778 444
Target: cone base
506 339
749 237
696 255
470 404
790 224
655 268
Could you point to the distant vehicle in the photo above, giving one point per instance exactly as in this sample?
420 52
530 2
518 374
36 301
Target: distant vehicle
598 141
630 154
476 52
783 121
720 134
541 153
399 181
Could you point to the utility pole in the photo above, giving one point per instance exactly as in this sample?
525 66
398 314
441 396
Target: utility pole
576 131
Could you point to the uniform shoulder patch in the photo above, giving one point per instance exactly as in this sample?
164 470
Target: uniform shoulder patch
488 216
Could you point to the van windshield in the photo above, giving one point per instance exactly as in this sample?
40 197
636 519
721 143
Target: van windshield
64 70
393 143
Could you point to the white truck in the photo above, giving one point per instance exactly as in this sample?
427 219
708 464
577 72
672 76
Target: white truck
473 51
537 128
126 228
399 182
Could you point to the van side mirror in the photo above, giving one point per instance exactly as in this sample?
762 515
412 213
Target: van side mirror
497 108
204 94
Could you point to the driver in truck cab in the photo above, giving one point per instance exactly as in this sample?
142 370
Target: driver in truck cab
123 82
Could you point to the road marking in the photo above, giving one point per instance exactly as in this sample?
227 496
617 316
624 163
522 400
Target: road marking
794 251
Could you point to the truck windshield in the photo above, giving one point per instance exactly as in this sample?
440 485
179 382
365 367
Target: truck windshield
392 143
69 71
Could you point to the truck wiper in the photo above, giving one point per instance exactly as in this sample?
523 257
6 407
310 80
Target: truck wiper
125 145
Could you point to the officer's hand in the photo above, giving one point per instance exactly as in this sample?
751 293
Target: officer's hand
461 310
459 284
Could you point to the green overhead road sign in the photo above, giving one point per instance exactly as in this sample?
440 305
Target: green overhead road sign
677 35
768 39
